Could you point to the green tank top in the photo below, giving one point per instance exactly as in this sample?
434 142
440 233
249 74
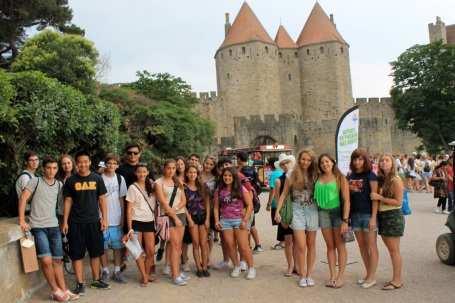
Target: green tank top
327 195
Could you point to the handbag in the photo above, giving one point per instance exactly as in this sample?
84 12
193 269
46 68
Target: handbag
405 207
162 222
348 236
286 213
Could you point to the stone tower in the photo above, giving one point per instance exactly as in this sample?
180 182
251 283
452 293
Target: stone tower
288 64
248 77
438 31
324 66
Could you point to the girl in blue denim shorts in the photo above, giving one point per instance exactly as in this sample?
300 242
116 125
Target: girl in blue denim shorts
304 224
362 182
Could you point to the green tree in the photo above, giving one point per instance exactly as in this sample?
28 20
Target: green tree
424 93
52 118
71 59
17 16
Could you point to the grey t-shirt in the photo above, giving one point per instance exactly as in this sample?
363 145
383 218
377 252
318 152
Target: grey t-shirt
44 202
22 181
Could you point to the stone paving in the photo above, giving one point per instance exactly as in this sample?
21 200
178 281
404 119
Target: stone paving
426 279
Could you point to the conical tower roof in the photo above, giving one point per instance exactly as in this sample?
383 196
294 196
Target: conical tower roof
246 27
283 40
318 29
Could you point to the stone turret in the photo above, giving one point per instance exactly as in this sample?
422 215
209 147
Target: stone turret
324 67
437 31
247 69
288 63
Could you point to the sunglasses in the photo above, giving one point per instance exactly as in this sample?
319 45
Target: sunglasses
132 153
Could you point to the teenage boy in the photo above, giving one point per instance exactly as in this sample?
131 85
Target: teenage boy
132 158
195 161
116 192
85 196
31 165
45 193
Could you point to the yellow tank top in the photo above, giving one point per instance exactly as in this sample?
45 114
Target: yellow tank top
386 207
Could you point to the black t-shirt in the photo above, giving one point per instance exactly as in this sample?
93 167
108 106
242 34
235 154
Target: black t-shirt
127 171
85 192
360 197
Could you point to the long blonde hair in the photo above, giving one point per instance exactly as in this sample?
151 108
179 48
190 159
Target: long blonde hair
298 178
385 181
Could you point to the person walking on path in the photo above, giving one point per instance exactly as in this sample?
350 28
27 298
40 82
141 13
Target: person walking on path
300 185
330 189
140 213
272 200
439 180
45 192
85 197
362 182
390 217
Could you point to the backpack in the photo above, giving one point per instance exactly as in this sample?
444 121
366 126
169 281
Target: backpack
427 167
12 205
250 187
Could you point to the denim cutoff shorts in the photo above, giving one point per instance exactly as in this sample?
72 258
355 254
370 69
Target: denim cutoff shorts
304 217
113 237
48 242
329 218
360 222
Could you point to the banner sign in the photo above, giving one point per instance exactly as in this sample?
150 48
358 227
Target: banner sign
347 138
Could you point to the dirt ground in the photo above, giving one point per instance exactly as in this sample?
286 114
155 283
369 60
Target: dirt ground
426 279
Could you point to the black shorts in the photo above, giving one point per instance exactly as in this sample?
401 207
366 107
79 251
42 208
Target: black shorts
187 236
84 237
145 227
198 219
182 218
282 232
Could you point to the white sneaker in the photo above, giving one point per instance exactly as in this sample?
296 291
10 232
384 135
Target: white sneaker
310 282
179 281
235 273
446 212
251 273
243 266
437 210
303 282
221 265
167 270
184 276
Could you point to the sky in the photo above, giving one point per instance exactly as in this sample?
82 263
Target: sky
181 37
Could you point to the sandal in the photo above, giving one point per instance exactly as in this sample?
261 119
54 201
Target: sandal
391 286
277 246
331 284
288 274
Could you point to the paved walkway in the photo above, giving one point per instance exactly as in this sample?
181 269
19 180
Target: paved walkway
426 278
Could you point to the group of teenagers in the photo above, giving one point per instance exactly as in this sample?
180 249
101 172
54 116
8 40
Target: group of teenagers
98 211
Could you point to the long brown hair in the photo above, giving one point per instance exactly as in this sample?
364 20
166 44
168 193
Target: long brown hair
148 184
335 170
298 177
385 181
60 173
174 177
361 153
199 185
236 191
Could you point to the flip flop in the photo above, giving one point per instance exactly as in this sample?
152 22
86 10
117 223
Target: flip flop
391 286
331 284
288 274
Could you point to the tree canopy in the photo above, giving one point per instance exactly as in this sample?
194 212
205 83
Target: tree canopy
69 58
17 16
424 93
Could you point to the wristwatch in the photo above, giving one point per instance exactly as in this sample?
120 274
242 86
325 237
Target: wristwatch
345 220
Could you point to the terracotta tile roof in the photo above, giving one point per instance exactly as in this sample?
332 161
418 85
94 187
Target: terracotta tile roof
318 28
283 40
246 27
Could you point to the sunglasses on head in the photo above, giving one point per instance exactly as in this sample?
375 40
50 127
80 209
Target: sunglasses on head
132 153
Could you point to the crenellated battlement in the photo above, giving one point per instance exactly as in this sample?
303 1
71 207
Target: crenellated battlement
205 97
373 100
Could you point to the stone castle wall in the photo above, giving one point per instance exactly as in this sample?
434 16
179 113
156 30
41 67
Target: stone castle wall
378 132
289 69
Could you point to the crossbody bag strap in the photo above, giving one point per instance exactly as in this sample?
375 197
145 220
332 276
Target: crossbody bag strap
174 193
145 198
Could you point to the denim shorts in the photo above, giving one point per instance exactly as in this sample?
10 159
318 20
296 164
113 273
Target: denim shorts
48 242
304 217
113 237
360 222
227 224
329 218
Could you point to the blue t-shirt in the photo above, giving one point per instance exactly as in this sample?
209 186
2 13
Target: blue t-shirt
275 174
360 195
